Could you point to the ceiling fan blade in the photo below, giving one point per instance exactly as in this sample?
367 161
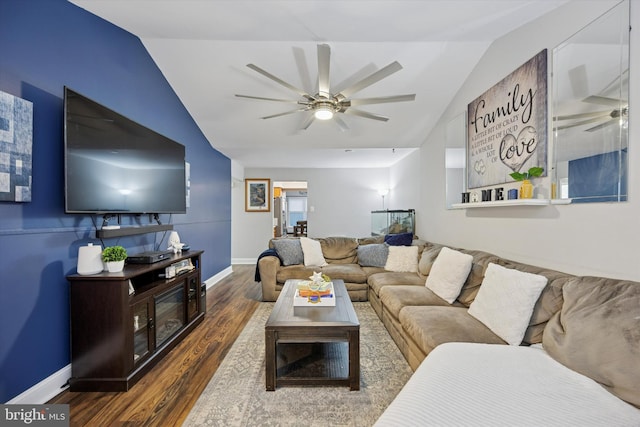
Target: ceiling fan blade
307 122
284 114
280 81
580 123
365 114
602 100
268 99
324 58
583 115
383 99
371 79
603 125
341 123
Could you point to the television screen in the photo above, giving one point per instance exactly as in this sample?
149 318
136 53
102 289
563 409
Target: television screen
114 165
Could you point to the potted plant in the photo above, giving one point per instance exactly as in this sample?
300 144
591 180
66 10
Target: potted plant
113 257
526 189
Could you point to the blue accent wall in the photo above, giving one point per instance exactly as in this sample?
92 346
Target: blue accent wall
44 46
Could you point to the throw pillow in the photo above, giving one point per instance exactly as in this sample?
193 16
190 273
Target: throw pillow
374 255
449 273
505 301
312 251
402 239
427 259
289 251
597 333
402 259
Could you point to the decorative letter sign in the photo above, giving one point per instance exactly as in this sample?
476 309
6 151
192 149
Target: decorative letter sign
507 126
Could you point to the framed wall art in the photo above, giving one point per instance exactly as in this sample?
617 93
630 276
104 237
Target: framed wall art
507 126
16 139
257 195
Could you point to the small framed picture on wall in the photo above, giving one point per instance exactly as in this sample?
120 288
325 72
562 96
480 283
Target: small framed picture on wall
257 195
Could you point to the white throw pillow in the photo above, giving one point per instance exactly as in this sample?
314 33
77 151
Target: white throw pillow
312 251
448 274
402 259
506 300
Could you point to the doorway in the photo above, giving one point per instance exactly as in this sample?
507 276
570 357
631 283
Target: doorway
289 208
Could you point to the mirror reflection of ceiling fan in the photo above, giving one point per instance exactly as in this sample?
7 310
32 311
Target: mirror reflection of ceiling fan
579 83
603 118
325 105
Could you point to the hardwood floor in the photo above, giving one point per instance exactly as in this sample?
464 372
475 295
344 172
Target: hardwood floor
165 395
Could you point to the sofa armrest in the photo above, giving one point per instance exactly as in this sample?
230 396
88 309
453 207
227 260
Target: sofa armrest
268 267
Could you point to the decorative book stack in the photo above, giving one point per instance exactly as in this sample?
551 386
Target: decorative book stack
318 291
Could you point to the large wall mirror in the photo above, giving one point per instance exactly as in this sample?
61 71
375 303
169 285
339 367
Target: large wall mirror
590 106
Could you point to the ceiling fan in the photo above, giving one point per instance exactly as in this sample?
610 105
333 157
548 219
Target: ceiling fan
326 105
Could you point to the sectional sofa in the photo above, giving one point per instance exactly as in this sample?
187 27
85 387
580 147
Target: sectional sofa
475 326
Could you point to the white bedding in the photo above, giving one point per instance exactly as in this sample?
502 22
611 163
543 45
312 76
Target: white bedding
463 384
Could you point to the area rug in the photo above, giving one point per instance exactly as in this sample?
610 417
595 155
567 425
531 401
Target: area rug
236 394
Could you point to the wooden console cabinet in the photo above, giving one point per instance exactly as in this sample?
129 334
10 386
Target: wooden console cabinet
116 335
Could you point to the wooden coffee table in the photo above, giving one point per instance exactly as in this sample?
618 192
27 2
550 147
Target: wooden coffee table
312 345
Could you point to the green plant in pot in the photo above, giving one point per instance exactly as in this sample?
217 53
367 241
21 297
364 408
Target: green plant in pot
526 189
114 257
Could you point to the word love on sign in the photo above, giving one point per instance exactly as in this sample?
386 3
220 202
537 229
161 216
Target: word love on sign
506 125
514 152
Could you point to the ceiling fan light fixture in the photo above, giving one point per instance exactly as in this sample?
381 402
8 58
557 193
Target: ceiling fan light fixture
323 112
327 105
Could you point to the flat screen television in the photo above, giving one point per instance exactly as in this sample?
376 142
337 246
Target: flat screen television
114 165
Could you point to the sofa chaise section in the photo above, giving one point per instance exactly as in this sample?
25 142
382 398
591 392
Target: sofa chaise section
499 385
584 372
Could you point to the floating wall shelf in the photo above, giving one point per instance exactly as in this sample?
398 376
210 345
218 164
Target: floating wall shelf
500 203
130 231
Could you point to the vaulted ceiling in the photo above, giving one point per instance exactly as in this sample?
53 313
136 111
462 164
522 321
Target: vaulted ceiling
202 48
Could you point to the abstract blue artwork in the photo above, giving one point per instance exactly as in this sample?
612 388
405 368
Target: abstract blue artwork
16 137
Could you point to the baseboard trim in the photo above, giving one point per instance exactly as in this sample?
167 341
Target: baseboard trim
244 261
45 390
56 383
218 277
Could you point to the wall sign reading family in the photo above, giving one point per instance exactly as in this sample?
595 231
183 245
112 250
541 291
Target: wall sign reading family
257 195
507 126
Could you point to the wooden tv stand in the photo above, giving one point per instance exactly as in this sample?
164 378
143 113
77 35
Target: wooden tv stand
117 336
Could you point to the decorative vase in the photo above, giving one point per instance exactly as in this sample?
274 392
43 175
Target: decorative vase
526 189
115 266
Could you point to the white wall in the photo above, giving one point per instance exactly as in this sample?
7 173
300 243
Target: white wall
340 202
405 186
589 239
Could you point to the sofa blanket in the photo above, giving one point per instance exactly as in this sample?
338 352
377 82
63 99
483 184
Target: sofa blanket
465 384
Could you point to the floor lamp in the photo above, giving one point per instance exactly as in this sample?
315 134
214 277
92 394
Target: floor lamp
383 192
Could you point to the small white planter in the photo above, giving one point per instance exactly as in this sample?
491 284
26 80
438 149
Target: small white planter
115 266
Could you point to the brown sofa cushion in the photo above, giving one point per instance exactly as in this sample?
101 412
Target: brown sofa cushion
427 258
370 240
352 273
298 271
430 326
339 250
597 333
348 272
378 280
394 298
